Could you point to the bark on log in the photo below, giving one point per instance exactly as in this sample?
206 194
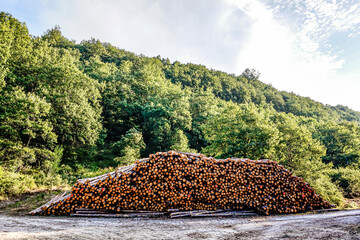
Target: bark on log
185 181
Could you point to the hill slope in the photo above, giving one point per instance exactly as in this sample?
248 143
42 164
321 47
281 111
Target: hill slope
69 109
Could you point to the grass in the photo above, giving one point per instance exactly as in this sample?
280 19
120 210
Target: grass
351 203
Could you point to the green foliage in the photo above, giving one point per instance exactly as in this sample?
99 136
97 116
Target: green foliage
203 105
129 147
342 142
241 131
52 74
247 88
180 142
56 39
6 39
12 183
72 110
25 118
15 40
326 188
316 173
46 104
348 179
15 183
295 141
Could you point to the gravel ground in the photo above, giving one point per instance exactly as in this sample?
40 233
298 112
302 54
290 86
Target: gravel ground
334 225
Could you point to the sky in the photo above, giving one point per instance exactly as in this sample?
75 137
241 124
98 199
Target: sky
308 47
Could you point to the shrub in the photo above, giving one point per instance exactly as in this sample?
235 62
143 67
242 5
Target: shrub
348 179
316 173
14 183
327 189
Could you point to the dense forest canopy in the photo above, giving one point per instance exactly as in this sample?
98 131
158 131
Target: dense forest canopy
69 110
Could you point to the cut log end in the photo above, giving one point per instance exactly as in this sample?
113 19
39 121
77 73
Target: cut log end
174 182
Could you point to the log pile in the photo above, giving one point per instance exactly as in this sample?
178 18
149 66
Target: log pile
189 182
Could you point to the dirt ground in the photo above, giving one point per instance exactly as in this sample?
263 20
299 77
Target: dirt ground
334 225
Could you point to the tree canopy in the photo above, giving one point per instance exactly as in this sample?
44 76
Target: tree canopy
69 108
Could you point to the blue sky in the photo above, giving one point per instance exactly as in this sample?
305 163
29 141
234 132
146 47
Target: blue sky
309 47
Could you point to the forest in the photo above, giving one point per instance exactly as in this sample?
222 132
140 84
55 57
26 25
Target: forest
71 110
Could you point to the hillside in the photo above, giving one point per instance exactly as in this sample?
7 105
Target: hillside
70 110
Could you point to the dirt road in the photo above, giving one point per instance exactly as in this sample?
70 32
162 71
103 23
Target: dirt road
334 225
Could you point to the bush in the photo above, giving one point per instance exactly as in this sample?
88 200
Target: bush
129 156
348 179
327 189
14 183
316 173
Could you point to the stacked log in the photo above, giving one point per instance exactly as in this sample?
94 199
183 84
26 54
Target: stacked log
187 182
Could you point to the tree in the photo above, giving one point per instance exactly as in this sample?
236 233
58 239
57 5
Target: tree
56 39
129 147
203 105
26 134
342 142
5 43
52 73
295 141
14 41
241 131
180 142
250 74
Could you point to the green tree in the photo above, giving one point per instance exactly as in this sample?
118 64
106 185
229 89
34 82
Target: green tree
24 126
241 131
180 141
295 141
129 147
56 39
53 74
203 105
342 142
5 43
317 174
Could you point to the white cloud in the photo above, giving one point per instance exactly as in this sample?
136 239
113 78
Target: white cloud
290 57
293 43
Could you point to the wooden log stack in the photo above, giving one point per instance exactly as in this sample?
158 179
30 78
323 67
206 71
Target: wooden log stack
187 182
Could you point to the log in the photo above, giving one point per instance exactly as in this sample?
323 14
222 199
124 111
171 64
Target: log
136 211
326 210
182 214
185 184
173 210
57 198
218 213
116 215
227 214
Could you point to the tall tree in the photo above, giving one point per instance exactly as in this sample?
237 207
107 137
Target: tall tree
241 131
342 142
295 141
